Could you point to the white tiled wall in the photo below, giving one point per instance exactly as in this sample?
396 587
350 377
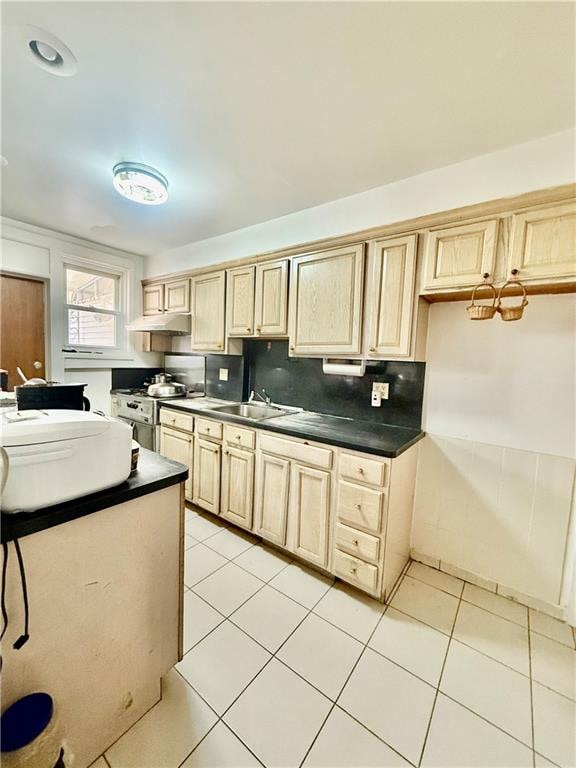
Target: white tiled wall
500 513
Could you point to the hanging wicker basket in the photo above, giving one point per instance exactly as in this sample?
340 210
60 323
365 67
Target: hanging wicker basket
482 311
514 312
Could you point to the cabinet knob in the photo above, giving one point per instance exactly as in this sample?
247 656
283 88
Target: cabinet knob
359 507
249 330
372 349
361 470
257 329
353 569
237 437
208 430
291 349
355 542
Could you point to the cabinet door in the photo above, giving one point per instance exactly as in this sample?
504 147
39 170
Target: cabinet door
179 447
326 302
153 299
237 486
206 481
207 305
271 307
240 302
543 243
177 296
310 513
459 256
390 296
272 488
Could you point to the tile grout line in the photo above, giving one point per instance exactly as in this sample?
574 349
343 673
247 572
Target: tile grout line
440 680
531 693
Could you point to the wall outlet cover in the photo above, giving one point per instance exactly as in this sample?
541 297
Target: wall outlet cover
223 374
381 388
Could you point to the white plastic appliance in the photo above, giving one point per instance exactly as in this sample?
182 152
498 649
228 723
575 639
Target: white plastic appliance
57 455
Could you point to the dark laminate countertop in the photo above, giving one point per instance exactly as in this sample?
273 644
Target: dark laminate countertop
365 436
154 473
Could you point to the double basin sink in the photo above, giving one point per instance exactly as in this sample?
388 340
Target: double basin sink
253 411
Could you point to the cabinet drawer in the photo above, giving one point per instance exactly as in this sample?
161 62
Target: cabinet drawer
289 449
355 571
363 470
357 543
176 419
209 428
360 507
244 438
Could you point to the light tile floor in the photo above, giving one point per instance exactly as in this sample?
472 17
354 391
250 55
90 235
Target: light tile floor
283 667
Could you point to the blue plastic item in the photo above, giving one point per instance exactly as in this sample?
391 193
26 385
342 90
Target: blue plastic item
25 720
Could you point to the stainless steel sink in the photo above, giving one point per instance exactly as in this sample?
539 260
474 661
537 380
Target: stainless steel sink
252 411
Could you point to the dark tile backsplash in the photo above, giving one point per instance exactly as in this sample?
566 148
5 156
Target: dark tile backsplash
131 378
301 382
235 387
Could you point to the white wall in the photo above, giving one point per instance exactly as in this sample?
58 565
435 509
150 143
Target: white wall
545 162
38 252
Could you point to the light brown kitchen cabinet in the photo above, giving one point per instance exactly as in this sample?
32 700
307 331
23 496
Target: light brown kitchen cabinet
207 303
179 446
310 513
206 480
543 243
172 296
240 301
459 256
326 289
272 494
271 301
390 296
237 486
153 299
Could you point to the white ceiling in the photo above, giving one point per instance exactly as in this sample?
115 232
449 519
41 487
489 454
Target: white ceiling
255 110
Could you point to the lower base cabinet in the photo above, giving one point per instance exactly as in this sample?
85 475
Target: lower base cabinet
237 486
310 513
272 491
178 446
206 481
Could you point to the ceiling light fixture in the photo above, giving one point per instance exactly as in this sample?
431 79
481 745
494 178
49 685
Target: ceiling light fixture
49 52
140 183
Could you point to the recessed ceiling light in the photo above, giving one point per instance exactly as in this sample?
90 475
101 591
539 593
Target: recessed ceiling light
140 183
49 52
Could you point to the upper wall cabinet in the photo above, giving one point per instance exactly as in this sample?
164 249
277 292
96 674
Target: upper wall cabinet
173 296
459 256
390 297
325 316
207 305
240 301
543 242
271 307
257 300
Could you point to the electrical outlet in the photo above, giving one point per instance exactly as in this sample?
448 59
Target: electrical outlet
380 391
223 374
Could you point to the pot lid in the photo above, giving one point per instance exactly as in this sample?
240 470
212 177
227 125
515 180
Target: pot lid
50 426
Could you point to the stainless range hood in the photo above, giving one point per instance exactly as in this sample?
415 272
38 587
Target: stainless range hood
175 325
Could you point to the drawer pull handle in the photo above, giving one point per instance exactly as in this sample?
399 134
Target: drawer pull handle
372 349
353 569
359 507
258 329
355 542
249 330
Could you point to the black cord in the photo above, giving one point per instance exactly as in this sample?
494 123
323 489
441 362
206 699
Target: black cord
23 639
3 592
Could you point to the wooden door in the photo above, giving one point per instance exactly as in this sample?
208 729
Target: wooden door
179 447
543 243
22 328
457 257
271 305
177 296
390 297
272 489
326 303
207 306
237 487
240 301
206 480
153 299
310 513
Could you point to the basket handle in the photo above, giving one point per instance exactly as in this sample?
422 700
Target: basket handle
483 285
513 282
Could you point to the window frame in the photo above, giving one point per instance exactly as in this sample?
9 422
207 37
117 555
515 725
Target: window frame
118 274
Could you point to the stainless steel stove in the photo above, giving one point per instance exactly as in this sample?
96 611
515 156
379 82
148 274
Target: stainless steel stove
142 412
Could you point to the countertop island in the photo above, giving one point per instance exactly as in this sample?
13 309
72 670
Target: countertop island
105 591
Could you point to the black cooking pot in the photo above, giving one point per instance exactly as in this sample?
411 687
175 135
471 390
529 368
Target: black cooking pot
44 397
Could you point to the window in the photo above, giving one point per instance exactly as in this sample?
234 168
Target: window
92 308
